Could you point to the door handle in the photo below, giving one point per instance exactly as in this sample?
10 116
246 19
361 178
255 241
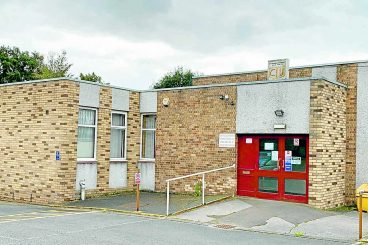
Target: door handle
282 164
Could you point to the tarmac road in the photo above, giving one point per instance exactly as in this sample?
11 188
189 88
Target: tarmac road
28 224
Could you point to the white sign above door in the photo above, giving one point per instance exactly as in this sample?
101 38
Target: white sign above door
227 140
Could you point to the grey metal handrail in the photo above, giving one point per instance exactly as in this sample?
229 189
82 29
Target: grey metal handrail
187 176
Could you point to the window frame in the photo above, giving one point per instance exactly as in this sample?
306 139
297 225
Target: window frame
150 129
126 133
89 126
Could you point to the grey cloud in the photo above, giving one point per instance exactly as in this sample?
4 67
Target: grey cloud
198 31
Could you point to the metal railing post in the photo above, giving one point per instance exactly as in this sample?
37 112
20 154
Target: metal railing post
203 187
167 197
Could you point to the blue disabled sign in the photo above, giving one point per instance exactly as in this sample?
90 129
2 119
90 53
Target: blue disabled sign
57 155
288 165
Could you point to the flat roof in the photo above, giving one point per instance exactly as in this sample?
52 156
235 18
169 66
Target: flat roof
203 76
293 67
248 83
68 79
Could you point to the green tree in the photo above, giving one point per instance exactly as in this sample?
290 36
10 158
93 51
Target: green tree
91 77
56 66
16 65
176 78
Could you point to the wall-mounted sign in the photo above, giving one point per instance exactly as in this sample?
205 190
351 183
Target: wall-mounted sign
57 156
278 69
227 140
248 140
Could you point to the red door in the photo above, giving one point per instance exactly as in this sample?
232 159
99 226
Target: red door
273 167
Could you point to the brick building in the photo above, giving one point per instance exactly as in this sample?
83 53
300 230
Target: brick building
301 139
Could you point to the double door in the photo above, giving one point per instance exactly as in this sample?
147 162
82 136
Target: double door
273 167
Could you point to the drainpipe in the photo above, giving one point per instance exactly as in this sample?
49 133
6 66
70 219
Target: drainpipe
82 185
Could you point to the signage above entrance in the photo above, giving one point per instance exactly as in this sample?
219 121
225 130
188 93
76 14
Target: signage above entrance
278 69
227 140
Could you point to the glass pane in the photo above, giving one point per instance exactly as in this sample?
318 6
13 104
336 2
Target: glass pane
148 144
268 154
86 142
118 119
295 187
86 117
117 145
296 161
267 184
149 121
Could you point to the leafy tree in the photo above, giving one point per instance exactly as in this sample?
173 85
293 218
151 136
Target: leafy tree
56 66
91 77
16 65
176 78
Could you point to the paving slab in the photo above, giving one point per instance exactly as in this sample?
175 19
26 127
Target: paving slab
150 202
209 213
276 225
281 218
344 227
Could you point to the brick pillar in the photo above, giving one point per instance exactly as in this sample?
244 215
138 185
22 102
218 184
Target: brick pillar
68 165
133 137
347 74
327 139
103 139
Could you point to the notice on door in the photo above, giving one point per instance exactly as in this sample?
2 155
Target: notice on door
288 153
275 156
227 140
288 161
296 160
269 146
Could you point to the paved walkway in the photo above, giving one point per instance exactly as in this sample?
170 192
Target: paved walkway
150 202
281 218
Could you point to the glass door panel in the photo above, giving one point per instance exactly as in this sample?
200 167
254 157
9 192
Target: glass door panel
295 187
268 154
267 184
295 155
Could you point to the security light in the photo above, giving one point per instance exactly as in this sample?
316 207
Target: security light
279 113
224 97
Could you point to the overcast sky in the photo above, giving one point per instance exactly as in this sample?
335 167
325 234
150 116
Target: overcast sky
133 43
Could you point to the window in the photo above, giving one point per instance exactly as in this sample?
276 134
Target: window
268 154
86 147
148 141
118 135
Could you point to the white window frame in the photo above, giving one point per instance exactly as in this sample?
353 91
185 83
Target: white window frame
89 126
147 114
126 133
